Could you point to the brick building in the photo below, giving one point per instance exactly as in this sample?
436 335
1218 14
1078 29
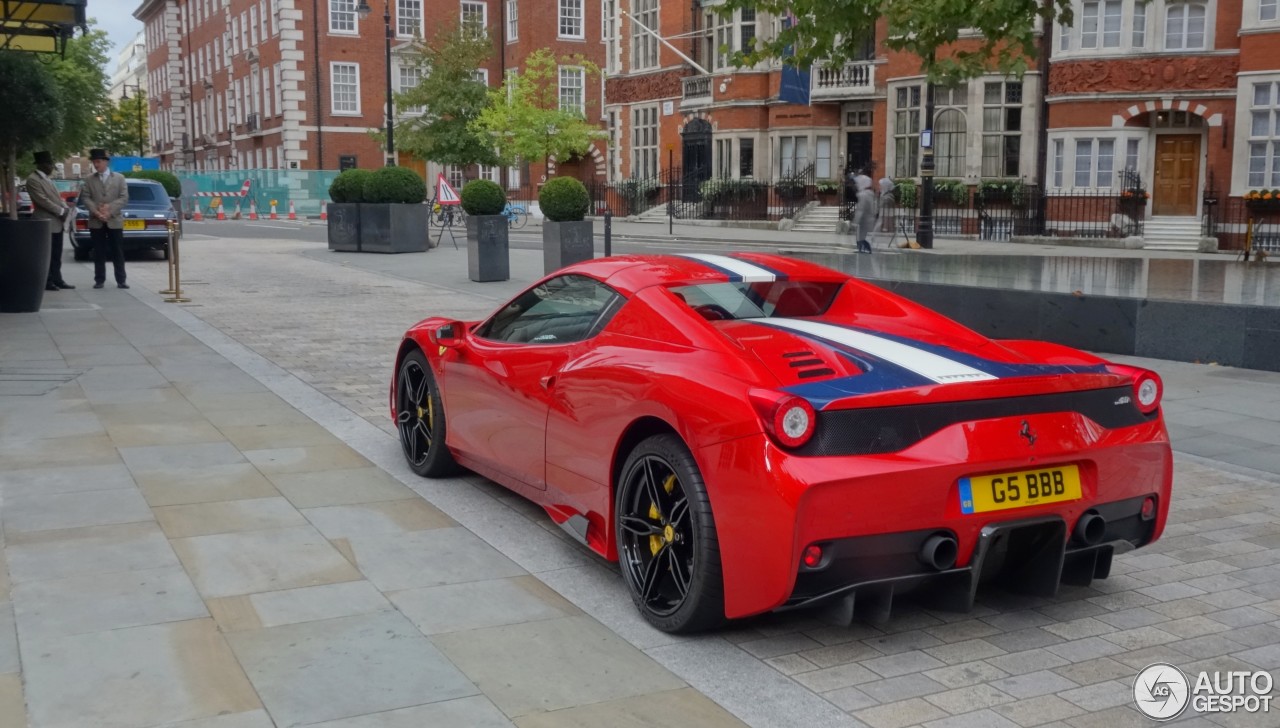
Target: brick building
285 84
1184 94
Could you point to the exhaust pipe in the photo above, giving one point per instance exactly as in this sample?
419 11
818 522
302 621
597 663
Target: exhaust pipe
1090 528
939 552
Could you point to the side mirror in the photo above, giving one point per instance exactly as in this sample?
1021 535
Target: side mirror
450 334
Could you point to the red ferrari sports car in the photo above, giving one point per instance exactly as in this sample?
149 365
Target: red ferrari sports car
749 433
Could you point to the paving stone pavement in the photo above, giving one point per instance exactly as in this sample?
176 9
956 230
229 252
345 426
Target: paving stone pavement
247 563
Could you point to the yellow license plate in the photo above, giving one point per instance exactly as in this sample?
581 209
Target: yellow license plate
135 224
985 493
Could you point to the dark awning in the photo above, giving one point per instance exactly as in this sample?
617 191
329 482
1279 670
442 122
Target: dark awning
39 26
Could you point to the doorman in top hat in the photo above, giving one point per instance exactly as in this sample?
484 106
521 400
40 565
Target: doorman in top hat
105 193
47 204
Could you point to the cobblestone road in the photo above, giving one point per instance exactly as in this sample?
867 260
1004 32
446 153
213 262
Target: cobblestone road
1206 597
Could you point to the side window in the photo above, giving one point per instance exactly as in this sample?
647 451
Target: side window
562 310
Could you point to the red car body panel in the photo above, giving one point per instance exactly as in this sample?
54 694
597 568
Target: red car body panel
549 421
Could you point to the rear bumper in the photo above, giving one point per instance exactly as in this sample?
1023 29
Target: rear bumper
1027 555
770 504
133 239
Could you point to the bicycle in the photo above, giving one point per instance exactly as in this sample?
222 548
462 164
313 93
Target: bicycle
516 216
448 215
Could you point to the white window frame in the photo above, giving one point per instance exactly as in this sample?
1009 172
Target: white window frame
610 24
484 15
1268 11
1003 133
409 10
1184 42
793 154
513 21
275 17
403 70
333 88
1267 143
1065 160
1143 26
341 14
568 73
904 128
568 14
263 12
645 161
645 53
253 26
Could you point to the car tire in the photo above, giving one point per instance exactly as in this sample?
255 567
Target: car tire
670 561
420 419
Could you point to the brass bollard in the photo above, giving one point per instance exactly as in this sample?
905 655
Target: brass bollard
168 249
175 268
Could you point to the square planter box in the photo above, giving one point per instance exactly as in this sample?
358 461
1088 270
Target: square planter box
393 228
488 252
344 227
24 264
566 243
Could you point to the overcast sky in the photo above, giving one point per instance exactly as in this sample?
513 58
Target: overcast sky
116 17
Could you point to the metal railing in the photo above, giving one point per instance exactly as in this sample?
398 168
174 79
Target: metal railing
695 89
1238 223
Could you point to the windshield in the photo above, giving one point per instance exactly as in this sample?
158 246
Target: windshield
66 185
780 299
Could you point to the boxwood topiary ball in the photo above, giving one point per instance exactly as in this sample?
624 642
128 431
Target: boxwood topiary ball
564 199
395 185
483 197
349 186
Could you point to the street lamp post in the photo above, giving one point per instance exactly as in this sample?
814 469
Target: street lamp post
364 10
124 96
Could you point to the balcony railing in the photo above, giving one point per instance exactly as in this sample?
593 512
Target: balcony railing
857 78
696 91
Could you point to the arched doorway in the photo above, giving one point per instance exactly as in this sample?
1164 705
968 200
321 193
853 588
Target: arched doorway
695 157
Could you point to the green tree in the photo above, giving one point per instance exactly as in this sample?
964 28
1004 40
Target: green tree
828 31
524 118
82 81
31 115
122 126
451 98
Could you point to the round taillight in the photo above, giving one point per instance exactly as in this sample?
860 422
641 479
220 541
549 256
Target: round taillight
793 421
1146 391
1148 508
812 557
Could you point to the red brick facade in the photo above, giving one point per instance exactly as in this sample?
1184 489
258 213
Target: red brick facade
287 84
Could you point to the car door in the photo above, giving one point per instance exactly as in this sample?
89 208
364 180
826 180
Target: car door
498 387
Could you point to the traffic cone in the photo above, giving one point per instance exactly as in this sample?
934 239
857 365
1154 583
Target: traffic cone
274 216
253 209
293 214
222 211
236 215
324 209
197 217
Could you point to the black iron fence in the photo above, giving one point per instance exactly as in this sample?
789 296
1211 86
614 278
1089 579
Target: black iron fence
1240 223
998 212
989 211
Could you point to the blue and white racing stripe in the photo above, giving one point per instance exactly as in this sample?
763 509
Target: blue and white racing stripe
927 364
737 270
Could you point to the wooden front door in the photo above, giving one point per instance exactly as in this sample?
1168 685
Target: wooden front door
1177 175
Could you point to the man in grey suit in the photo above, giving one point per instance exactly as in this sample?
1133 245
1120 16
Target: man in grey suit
104 194
47 204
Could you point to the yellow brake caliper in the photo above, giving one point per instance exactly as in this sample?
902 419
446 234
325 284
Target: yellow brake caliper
655 540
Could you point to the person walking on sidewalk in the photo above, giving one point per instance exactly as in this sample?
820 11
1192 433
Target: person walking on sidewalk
47 204
104 195
864 216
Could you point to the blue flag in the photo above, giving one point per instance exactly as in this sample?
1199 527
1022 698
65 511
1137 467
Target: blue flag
795 81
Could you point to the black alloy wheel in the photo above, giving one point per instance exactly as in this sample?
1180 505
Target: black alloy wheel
667 543
420 419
